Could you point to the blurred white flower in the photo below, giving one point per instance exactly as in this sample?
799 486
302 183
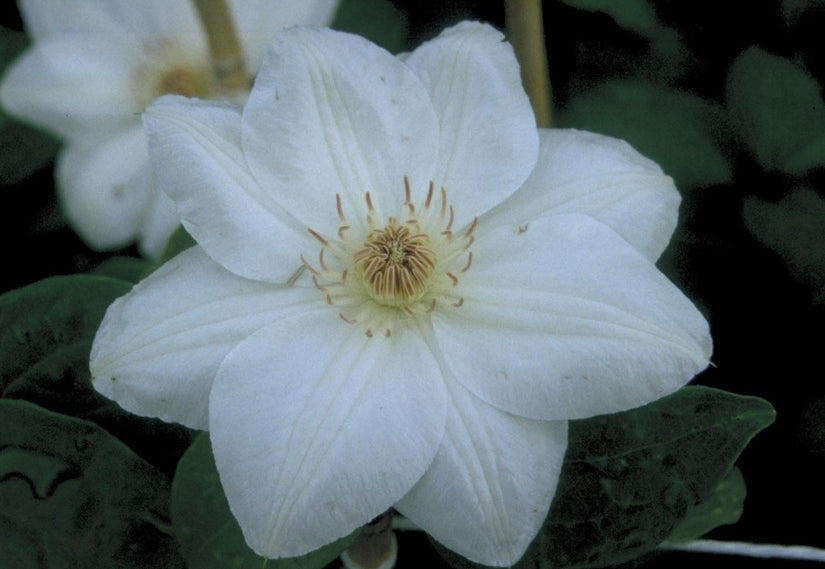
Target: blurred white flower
402 291
92 68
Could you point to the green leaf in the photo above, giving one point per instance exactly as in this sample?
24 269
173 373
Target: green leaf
377 20
123 268
683 133
71 495
23 150
47 333
634 15
629 478
793 227
209 535
179 242
723 507
778 111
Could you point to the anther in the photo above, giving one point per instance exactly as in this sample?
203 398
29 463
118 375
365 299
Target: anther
317 235
339 207
469 262
369 202
459 302
430 192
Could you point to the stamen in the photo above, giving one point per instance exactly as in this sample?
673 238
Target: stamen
321 260
340 208
443 201
369 202
341 231
472 227
430 192
347 320
453 278
407 191
309 267
459 302
317 235
469 262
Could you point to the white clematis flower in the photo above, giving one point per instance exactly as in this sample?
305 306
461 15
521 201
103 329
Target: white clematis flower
469 284
91 70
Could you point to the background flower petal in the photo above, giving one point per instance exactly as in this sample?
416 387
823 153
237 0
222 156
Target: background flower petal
148 18
158 348
196 151
488 491
104 185
72 84
488 131
330 113
317 429
564 319
601 176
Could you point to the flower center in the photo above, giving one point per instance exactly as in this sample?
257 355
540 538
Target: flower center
396 264
408 266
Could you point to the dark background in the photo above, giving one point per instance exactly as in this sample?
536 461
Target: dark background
767 323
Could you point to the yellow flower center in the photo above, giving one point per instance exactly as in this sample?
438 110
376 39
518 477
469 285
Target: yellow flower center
396 264
407 266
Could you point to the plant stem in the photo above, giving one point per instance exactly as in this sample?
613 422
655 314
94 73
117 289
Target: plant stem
749 549
227 55
525 29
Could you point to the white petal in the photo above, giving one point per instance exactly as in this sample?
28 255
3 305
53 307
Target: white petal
105 184
147 18
489 140
257 20
196 152
317 429
489 488
332 113
564 319
74 84
159 347
583 172
158 225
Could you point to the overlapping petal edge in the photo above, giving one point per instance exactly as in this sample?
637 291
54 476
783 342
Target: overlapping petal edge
563 313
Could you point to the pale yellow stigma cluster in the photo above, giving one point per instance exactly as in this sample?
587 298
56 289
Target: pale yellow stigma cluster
406 266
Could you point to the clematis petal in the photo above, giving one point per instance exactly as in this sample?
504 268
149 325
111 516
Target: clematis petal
330 113
489 140
256 21
159 223
601 176
317 429
65 85
564 319
159 347
196 150
104 183
149 18
489 489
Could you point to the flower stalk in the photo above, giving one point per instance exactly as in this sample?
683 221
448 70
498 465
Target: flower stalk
375 547
224 46
525 30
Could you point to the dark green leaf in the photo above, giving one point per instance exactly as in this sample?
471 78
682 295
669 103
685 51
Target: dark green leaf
634 15
778 110
681 132
723 507
45 339
73 496
794 228
629 478
210 537
377 20
128 269
179 242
